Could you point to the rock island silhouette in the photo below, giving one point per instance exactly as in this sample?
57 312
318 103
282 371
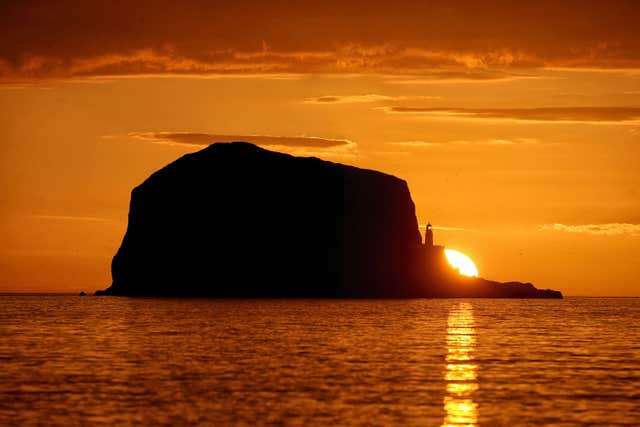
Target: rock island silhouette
236 220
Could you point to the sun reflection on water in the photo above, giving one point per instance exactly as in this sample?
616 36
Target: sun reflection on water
461 372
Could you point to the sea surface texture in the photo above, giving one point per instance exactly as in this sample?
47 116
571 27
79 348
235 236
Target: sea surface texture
69 360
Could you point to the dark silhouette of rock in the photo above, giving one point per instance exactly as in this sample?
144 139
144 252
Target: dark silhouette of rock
235 220
82 294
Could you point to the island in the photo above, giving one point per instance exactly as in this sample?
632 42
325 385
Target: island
236 220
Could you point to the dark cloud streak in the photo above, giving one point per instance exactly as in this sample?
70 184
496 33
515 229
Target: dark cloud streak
545 114
194 138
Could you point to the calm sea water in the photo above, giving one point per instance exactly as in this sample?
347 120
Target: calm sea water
68 360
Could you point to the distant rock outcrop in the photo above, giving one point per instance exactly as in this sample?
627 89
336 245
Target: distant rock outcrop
235 220
445 282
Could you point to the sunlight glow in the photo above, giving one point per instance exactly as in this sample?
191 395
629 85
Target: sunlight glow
461 376
461 262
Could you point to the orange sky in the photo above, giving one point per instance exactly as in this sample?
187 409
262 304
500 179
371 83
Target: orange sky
517 127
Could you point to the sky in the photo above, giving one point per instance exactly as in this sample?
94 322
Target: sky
516 126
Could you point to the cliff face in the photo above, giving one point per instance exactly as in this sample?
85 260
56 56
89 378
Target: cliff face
238 220
235 220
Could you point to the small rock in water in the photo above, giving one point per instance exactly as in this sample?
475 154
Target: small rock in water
83 294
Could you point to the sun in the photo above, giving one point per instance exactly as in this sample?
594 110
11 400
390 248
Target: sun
461 262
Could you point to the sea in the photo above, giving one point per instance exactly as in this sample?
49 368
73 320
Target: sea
69 361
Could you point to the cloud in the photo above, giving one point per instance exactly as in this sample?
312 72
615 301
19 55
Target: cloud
194 138
609 229
437 39
543 114
299 145
444 228
357 99
417 144
348 99
75 218
457 74
485 142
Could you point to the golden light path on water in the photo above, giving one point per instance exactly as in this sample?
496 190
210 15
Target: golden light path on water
460 372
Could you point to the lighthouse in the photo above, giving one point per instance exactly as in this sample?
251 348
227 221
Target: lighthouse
428 236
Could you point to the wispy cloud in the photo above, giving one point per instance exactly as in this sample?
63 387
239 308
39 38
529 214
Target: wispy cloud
195 138
444 228
300 145
417 144
608 229
544 114
361 99
74 218
457 143
459 74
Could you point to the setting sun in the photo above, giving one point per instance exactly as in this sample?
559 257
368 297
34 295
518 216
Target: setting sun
461 262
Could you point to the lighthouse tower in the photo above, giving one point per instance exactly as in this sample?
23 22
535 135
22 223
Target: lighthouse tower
428 237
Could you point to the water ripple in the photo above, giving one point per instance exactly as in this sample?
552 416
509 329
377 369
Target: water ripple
112 361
